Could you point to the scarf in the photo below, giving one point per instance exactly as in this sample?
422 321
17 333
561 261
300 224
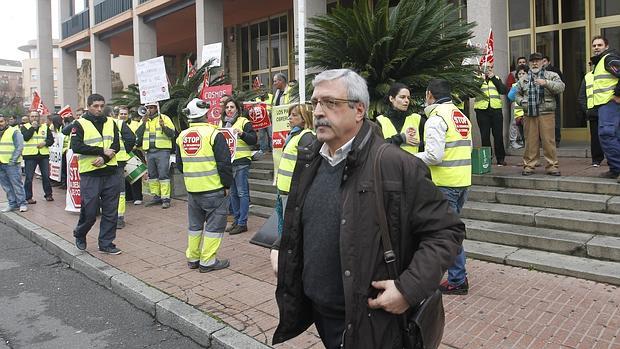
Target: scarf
397 117
535 93
290 135
229 121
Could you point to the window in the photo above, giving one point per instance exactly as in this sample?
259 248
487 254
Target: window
519 11
519 47
546 12
549 45
264 50
573 10
607 8
613 35
34 74
55 74
32 91
574 68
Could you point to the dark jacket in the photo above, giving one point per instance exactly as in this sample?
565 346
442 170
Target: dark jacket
28 133
79 147
612 65
424 231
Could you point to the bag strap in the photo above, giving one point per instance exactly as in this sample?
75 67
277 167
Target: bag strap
389 256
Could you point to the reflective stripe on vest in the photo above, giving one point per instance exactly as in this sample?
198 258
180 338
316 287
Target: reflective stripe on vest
389 130
199 169
589 79
30 147
122 154
492 97
455 168
7 147
153 132
519 112
93 138
243 150
604 83
288 161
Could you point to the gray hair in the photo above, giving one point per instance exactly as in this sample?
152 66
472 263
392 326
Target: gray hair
356 85
281 76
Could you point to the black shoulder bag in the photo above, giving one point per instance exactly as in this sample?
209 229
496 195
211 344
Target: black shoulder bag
423 328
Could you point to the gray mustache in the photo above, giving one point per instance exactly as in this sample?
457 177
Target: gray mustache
321 122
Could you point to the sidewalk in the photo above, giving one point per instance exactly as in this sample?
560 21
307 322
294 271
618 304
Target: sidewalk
506 307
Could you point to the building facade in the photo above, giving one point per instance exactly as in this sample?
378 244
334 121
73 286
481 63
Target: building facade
11 82
259 37
31 73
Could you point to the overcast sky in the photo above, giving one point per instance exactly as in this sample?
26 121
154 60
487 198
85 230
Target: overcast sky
18 25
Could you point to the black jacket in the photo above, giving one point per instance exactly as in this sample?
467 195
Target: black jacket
425 235
79 147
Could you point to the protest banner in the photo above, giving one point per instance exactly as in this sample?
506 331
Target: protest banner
213 95
73 199
152 80
258 114
38 106
280 127
56 157
65 111
231 141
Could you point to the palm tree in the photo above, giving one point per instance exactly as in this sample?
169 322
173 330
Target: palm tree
412 43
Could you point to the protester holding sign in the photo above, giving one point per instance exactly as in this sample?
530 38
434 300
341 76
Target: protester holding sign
156 135
96 138
240 191
38 138
127 142
204 160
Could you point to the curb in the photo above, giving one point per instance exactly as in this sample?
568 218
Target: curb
168 310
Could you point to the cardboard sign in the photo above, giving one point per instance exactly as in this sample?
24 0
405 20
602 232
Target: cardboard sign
212 51
231 141
461 123
192 142
56 157
73 199
279 117
258 114
213 95
152 80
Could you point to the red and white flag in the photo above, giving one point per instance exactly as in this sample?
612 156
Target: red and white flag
191 71
256 84
65 111
205 84
488 50
38 106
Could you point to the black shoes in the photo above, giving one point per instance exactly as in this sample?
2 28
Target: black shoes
80 244
112 249
193 265
219 264
461 289
230 227
610 174
238 229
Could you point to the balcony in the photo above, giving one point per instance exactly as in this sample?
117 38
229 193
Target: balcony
75 24
110 8
143 1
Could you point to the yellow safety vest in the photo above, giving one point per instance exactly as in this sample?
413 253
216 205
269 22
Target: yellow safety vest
288 161
243 150
589 79
284 99
122 154
7 147
389 130
492 97
455 168
133 125
604 83
268 101
152 131
199 168
30 147
93 138
519 112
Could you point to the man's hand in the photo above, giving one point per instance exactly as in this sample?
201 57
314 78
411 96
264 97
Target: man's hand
35 124
541 82
161 122
109 153
145 118
617 99
40 145
389 298
274 261
237 131
98 162
411 136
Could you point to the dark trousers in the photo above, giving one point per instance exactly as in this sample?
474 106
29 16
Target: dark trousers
29 166
558 120
330 327
63 170
99 192
492 120
595 143
133 192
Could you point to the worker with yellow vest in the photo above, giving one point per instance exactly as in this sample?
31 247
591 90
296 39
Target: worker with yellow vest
606 102
204 159
127 142
240 189
447 152
399 125
37 139
95 138
301 135
488 109
134 191
585 99
11 146
155 136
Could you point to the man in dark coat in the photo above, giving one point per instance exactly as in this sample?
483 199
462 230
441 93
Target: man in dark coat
331 271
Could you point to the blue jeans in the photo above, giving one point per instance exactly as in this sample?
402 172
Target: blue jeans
240 194
11 182
456 199
30 166
264 139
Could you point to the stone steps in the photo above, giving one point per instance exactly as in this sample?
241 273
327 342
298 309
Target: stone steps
263 199
261 174
591 185
261 185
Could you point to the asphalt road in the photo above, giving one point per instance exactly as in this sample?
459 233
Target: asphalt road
45 304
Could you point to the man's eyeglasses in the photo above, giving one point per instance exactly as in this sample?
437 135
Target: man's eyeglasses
330 102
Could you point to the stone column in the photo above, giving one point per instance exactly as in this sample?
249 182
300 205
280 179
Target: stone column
144 38
44 48
313 8
101 62
209 26
491 14
68 64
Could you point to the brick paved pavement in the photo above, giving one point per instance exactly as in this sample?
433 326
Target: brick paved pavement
507 307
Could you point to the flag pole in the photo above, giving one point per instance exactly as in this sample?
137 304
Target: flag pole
301 23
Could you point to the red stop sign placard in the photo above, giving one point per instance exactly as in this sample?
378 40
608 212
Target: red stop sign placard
461 123
231 141
192 142
74 182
